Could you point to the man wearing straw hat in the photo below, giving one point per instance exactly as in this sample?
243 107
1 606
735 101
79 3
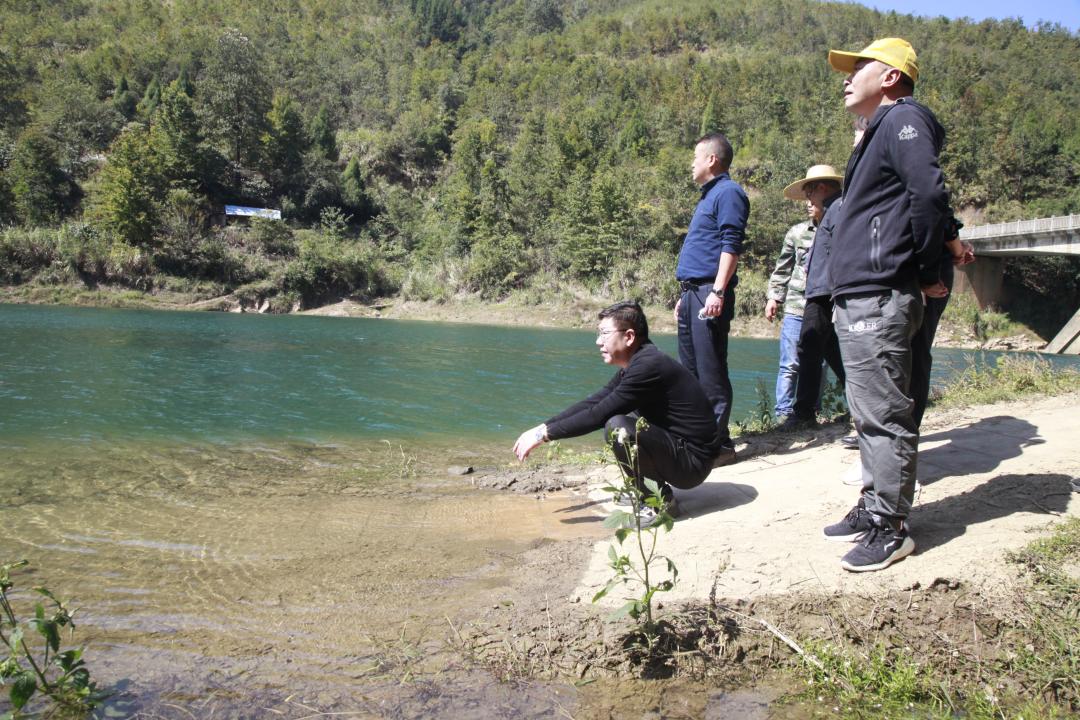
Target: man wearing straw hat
886 247
787 284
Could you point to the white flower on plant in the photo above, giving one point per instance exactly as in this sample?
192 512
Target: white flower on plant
621 436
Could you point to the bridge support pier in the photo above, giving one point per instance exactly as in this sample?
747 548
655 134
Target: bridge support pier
1068 340
984 278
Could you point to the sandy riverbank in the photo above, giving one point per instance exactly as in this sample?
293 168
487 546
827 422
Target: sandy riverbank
994 478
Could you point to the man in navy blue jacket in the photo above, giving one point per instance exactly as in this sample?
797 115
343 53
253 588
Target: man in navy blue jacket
885 249
706 275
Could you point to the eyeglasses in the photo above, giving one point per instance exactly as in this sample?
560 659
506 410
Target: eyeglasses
809 189
602 334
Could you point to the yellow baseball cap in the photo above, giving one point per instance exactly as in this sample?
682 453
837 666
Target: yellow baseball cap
817 173
894 52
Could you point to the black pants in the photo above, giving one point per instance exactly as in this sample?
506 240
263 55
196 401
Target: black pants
921 360
703 350
817 342
661 456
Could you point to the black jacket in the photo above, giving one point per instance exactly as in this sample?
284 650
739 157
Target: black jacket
889 229
817 261
658 388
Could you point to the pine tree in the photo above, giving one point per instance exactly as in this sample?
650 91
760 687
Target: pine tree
322 134
176 138
284 144
130 187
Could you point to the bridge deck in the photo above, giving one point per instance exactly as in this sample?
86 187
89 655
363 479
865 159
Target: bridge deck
1041 236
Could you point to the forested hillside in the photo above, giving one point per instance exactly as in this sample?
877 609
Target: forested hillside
436 146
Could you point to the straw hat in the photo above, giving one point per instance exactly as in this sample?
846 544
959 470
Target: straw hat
794 191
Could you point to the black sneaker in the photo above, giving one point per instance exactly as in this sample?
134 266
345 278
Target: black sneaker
881 547
850 442
855 524
794 423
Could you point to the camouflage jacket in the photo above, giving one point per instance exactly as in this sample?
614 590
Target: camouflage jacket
788 280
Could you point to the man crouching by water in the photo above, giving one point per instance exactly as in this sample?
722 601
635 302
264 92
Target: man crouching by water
679 444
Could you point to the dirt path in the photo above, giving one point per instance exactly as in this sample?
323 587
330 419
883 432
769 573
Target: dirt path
991 476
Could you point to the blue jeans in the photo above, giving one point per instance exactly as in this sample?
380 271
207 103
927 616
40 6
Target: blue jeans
787 377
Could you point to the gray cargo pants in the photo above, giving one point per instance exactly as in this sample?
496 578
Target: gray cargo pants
875 331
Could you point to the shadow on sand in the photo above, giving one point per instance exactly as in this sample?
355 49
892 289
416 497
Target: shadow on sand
943 520
977 447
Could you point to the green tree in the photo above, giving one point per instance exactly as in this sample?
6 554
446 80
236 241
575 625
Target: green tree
12 103
322 134
235 97
7 200
41 191
150 99
130 187
284 144
354 191
124 100
176 138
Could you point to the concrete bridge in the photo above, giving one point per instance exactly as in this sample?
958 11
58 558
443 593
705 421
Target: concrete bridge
993 243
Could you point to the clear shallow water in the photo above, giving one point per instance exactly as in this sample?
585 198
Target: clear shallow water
251 509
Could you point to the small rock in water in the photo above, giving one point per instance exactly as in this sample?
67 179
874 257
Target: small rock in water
459 470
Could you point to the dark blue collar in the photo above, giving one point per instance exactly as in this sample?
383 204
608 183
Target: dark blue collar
709 185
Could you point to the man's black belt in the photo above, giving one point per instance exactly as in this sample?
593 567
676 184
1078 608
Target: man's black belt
695 283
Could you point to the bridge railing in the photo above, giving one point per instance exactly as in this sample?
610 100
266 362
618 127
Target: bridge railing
1022 227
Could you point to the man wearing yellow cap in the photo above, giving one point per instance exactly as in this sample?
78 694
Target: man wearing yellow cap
886 246
788 283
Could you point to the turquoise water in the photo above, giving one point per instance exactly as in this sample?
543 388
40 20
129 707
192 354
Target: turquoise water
80 375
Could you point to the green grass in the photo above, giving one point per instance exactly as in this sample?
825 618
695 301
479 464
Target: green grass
1033 672
1011 377
981 324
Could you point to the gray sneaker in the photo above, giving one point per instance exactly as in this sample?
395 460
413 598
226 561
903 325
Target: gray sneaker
881 547
853 527
649 515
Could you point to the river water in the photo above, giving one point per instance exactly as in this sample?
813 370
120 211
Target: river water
254 512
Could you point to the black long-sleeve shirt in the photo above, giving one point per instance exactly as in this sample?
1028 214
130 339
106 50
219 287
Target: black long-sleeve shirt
658 388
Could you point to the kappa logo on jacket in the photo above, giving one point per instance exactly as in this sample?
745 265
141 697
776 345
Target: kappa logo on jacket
908 133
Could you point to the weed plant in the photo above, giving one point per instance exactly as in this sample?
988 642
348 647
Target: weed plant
637 566
761 419
983 324
1011 377
1033 672
41 667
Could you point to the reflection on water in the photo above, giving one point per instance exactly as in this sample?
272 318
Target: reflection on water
265 571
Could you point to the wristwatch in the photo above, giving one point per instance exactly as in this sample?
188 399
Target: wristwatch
718 291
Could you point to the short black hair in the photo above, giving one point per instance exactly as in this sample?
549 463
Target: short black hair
832 184
628 315
723 147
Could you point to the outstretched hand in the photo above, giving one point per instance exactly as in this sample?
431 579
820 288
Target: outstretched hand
529 440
